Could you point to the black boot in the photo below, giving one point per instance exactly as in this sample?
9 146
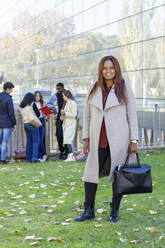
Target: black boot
90 192
114 206
88 213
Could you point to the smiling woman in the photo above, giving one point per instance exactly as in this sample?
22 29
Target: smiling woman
110 131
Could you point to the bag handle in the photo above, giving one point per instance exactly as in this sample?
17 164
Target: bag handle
127 160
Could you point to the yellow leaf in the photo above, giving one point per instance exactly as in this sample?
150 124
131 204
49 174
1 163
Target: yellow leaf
152 212
117 233
153 232
59 240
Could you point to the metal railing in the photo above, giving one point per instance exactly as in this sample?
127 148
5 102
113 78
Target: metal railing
151 121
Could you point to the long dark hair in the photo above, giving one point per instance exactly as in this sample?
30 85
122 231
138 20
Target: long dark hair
41 97
68 94
27 100
118 80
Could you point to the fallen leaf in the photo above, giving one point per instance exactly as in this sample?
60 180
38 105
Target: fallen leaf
43 186
27 220
150 228
135 241
101 210
153 232
152 212
117 233
51 239
59 240
32 237
98 225
50 210
44 206
33 243
99 219
18 197
161 237
42 173
32 196
65 223
67 220
53 206
123 241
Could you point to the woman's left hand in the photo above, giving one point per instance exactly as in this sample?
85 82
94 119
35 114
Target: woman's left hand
133 147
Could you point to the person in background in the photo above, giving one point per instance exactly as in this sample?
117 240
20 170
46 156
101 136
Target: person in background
7 119
32 132
39 103
55 103
68 116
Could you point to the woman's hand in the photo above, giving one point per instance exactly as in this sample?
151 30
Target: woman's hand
133 147
86 148
61 117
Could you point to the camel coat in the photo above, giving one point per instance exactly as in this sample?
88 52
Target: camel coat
69 123
121 127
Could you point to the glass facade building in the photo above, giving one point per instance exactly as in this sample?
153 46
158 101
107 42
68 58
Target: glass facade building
43 42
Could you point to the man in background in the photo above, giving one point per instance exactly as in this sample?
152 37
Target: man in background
55 103
7 119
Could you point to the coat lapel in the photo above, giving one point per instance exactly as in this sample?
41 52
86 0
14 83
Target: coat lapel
97 99
112 99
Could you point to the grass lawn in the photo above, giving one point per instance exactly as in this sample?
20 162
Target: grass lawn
44 199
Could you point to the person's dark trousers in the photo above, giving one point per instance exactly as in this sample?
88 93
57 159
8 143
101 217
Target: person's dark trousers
42 150
32 142
116 198
68 148
59 134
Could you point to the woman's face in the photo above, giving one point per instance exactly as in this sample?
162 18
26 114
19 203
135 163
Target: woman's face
37 97
108 71
65 98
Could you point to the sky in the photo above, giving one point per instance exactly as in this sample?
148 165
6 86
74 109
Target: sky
6 14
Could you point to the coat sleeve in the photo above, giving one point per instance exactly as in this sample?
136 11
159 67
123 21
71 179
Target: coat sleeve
87 116
71 112
11 112
131 113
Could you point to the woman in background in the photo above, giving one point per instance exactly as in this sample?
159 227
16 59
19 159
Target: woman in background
68 115
32 132
42 150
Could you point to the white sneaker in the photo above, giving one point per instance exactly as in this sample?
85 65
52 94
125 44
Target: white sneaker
44 158
70 158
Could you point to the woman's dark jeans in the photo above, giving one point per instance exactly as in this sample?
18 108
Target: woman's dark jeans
42 150
32 142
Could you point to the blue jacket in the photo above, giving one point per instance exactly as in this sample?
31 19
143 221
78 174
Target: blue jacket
7 115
